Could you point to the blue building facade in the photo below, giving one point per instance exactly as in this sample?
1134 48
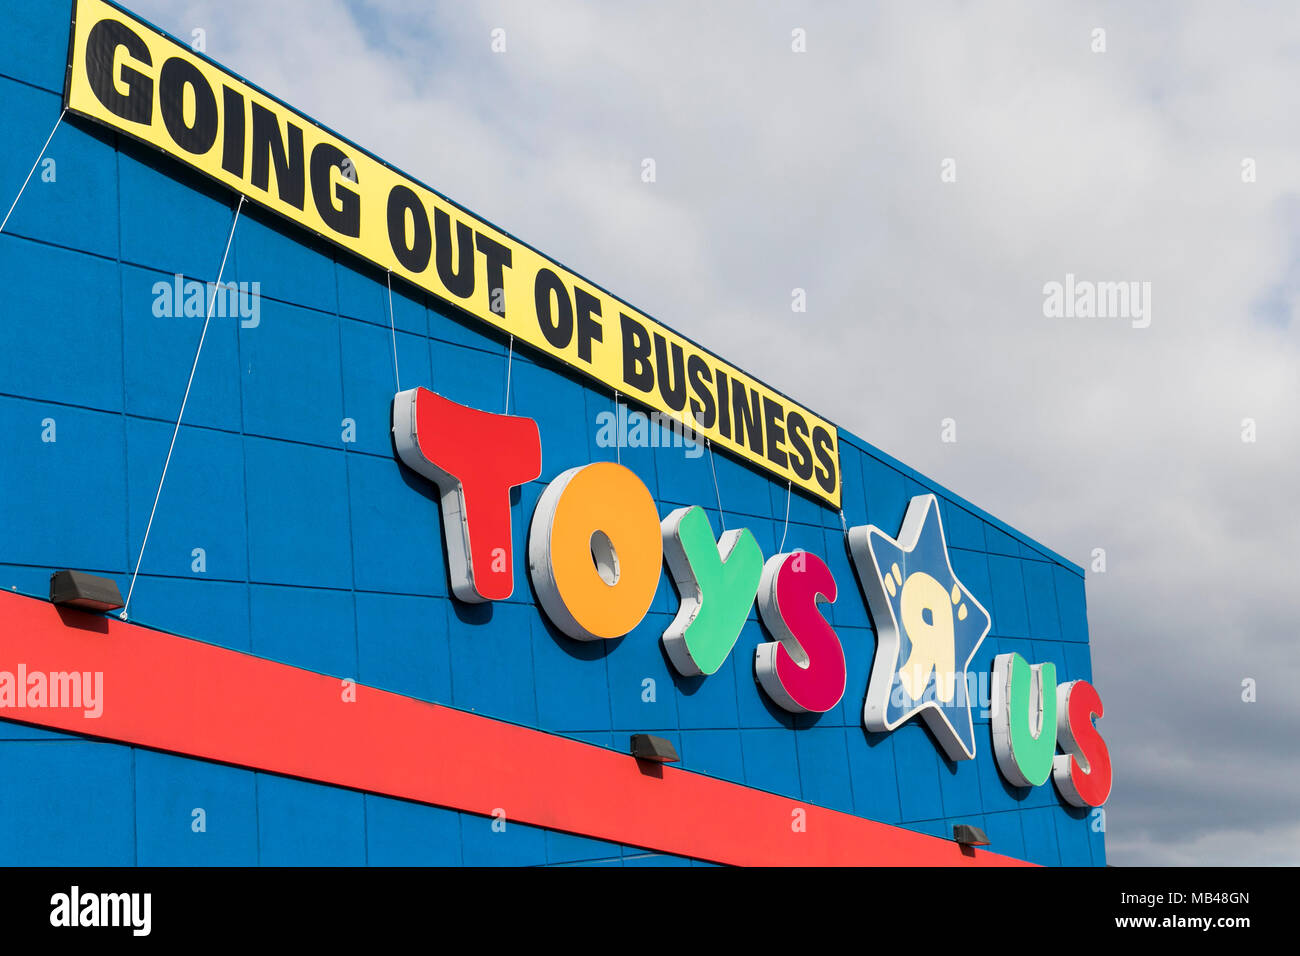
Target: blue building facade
288 529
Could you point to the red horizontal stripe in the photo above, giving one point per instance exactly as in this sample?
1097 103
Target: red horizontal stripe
176 694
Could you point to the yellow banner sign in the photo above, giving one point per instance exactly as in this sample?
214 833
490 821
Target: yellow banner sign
125 74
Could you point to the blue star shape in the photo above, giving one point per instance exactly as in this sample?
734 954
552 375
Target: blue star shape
928 628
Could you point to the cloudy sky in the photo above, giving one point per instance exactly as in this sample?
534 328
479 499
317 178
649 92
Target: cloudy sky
1171 157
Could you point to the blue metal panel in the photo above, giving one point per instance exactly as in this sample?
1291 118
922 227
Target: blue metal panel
292 375
159 342
972 570
916 761
959 786
999 542
290 266
49 814
52 489
193 813
492 660
1010 613
859 645
1072 837
509 844
369 383
1040 594
1097 835
34 43
571 848
363 293
201 508
309 824
401 833
570 680
290 490
635 659
396 526
62 337
886 495
654 859
70 199
873 775
1039 827
190 239
853 493
473 378
448 325
823 765
756 709
962 528
850 608
402 645
215 612
684 480
1072 603
306 627
743 491
559 406
1004 833
772 761
717 753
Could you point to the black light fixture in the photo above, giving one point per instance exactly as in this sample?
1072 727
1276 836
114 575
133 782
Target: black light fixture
86 592
967 835
656 749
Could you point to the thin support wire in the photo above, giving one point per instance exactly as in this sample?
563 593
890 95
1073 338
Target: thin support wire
184 401
788 493
722 518
392 327
510 360
39 156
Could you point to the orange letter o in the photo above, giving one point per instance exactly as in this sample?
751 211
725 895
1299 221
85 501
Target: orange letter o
595 551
